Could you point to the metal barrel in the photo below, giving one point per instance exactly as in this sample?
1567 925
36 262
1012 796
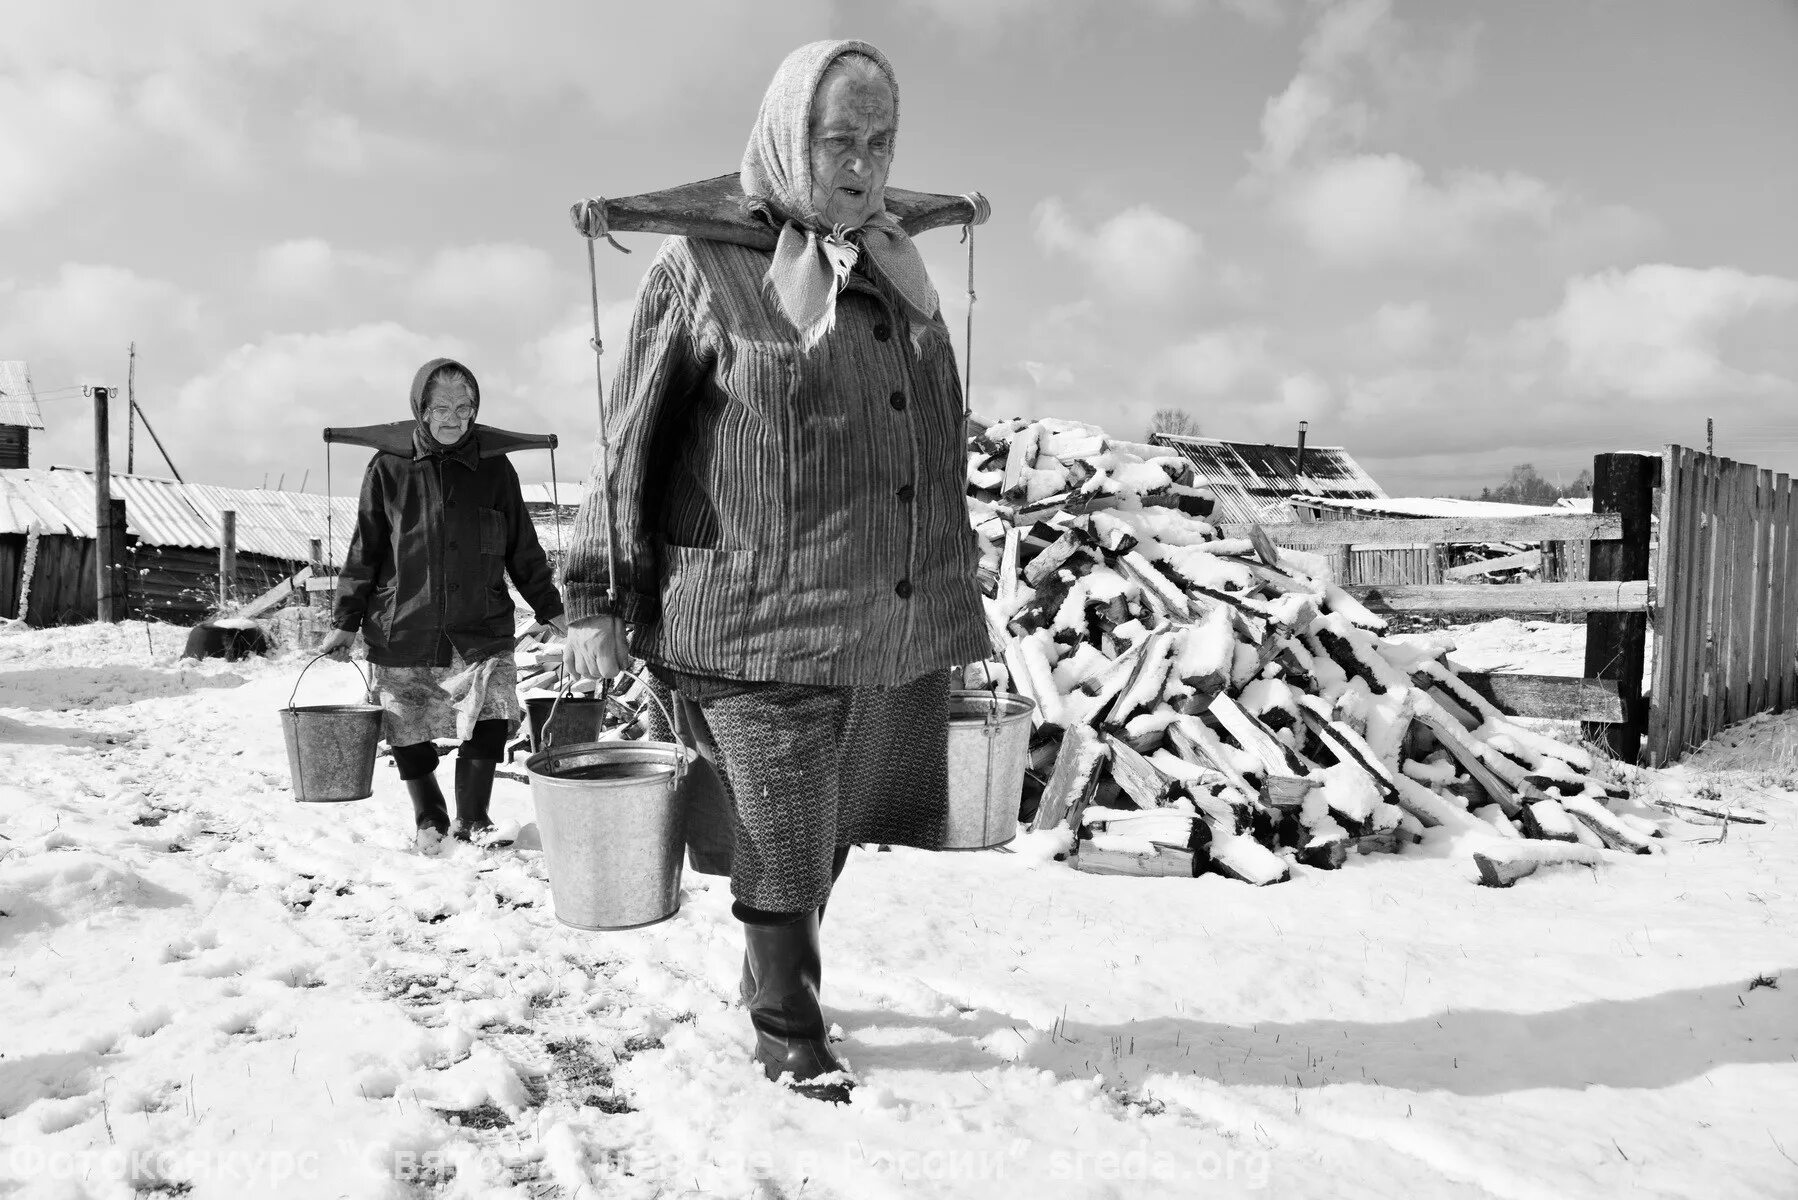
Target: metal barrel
331 750
989 747
612 826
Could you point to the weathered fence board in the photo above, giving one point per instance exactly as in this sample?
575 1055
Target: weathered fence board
1528 560
1630 596
1443 531
1549 697
1724 613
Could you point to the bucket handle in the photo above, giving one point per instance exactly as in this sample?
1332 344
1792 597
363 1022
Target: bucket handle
368 683
680 759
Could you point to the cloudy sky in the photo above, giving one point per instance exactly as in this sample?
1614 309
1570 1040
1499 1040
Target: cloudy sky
1452 236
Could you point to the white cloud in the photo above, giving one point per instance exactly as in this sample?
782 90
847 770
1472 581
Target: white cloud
1405 330
494 278
91 312
198 113
58 130
1654 332
299 265
1223 362
263 405
988 17
1376 208
1049 376
1139 254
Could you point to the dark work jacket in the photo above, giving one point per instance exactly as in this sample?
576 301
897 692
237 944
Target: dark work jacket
436 537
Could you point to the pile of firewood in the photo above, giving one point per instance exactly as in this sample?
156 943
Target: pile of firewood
1212 703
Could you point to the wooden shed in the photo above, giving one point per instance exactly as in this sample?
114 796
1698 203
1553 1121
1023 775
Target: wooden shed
19 415
172 543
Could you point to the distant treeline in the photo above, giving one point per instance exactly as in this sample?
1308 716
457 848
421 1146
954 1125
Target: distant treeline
1525 486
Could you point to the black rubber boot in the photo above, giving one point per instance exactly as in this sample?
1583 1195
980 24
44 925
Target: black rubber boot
428 808
790 1035
746 985
474 789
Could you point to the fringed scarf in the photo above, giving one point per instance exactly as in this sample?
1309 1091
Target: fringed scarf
812 264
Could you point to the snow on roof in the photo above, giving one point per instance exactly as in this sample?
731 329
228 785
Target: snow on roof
1251 481
18 403
162 512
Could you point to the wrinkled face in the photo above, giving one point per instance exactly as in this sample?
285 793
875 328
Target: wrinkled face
449 409
852 145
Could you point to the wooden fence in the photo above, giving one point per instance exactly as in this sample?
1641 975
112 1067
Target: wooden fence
1726 611
1608 700
1724 597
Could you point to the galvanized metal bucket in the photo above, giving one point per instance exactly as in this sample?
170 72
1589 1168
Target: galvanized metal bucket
612 826
989 748
331 747
576 719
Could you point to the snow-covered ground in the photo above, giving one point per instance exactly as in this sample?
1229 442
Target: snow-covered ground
209 990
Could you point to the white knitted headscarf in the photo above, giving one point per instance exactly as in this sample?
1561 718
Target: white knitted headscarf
812 262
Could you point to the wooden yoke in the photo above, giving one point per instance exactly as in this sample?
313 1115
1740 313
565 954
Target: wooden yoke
717 209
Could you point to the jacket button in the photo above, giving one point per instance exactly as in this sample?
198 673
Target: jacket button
903 589
882 332
906 493
897 400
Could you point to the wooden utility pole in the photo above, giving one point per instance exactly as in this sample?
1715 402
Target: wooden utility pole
131 414
227 556
106 553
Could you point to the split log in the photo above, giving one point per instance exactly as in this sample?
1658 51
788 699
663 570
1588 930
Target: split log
1433 811
1547 820
1448 731
1502 866
1008 573
1163 861
1075 777
1136 775
1255 737
1193 740
1050 560
1601 821
1160 590
1146 681
1241 857
1020 459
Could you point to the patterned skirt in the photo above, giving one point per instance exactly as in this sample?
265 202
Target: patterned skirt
802 770
422 704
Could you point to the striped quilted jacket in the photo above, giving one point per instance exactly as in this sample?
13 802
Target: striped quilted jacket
780 515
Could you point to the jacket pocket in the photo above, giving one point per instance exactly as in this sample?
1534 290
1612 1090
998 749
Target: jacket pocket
707 600
493 531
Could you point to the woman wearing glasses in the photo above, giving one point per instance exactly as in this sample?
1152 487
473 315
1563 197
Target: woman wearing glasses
437 534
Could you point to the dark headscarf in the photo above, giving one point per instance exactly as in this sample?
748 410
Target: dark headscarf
424 445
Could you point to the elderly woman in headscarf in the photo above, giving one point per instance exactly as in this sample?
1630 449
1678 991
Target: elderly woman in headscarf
794 556
439 527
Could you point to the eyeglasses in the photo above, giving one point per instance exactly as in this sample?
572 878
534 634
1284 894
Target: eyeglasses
461 412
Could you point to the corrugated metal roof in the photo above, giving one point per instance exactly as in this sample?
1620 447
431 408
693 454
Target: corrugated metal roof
1250 481
162 512
18 403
